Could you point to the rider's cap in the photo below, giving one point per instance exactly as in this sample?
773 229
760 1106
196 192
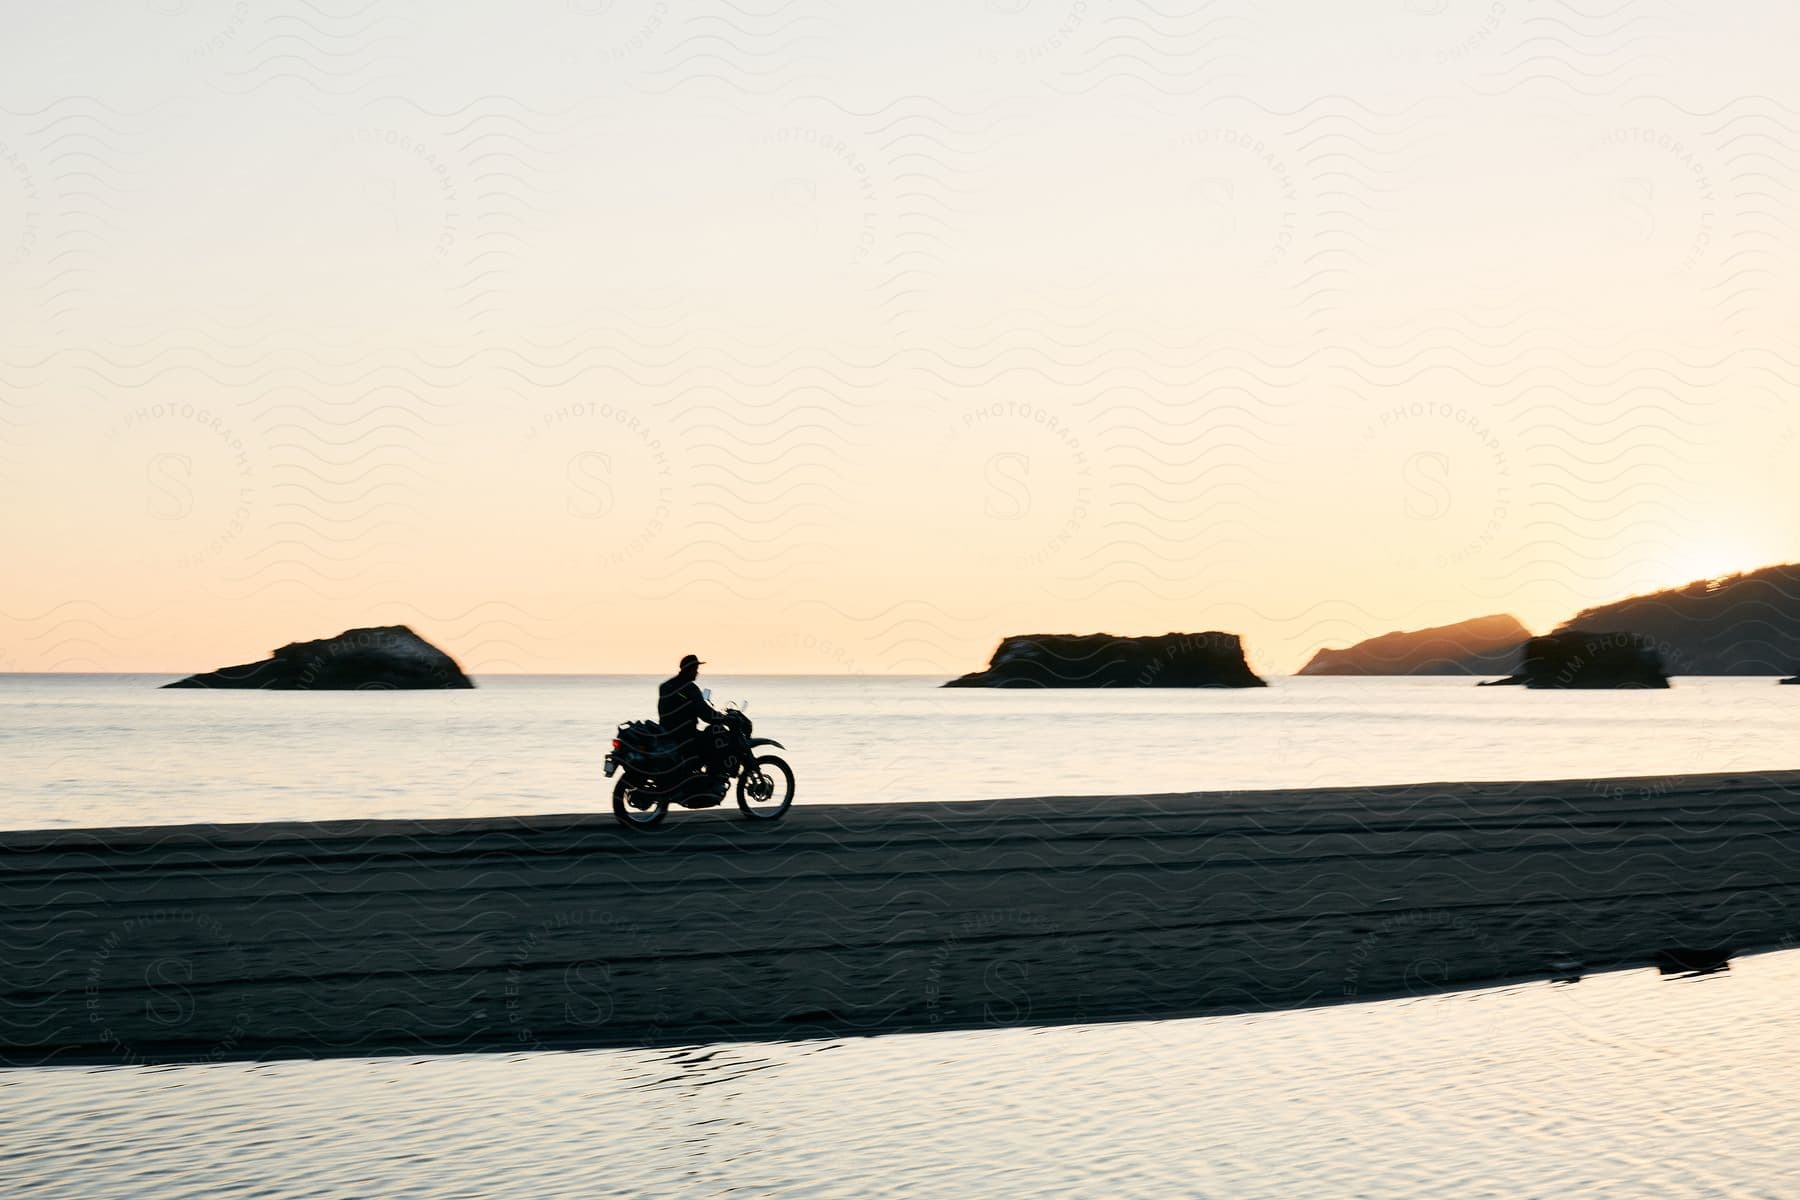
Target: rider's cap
688 660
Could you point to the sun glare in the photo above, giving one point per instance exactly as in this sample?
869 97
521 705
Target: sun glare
1713 559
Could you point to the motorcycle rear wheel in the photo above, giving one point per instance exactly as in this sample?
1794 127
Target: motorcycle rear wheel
765 790
633 817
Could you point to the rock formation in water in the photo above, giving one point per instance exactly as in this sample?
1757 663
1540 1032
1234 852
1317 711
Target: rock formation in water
383 657
1795 679
1737 625
1095 660
1585 658
1482 646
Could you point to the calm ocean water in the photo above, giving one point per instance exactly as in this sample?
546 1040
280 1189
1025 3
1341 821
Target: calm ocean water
1621 1085
108 749
1625 1084
104 750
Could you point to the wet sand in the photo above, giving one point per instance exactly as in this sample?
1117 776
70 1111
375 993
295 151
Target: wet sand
313 939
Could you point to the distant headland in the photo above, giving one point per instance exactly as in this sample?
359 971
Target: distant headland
385 657
1736 625
1481 646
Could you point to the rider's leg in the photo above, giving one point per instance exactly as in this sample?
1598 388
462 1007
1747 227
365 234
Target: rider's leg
691 753
713 741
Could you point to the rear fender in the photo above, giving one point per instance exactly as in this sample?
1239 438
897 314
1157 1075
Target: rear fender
767 742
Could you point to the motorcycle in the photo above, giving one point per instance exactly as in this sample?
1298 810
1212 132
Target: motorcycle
652 775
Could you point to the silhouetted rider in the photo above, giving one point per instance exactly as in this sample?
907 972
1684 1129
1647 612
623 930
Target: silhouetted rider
680 706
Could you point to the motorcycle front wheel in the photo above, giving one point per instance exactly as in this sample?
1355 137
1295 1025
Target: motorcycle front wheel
766 789
635 812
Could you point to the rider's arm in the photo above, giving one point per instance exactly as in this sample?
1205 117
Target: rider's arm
707 711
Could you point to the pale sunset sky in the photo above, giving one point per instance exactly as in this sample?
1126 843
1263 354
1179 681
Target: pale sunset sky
846 338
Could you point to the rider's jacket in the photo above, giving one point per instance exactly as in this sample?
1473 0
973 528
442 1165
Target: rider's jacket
679 705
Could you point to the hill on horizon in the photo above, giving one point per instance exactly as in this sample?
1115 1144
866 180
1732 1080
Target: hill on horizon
1479 646
1746 624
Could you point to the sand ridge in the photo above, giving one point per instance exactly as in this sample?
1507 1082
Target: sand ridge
295 939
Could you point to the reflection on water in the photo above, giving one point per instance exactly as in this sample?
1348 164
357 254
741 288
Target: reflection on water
1627 1084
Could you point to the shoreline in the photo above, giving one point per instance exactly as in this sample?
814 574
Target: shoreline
299 940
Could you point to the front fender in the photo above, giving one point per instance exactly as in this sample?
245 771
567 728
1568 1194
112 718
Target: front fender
767 742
